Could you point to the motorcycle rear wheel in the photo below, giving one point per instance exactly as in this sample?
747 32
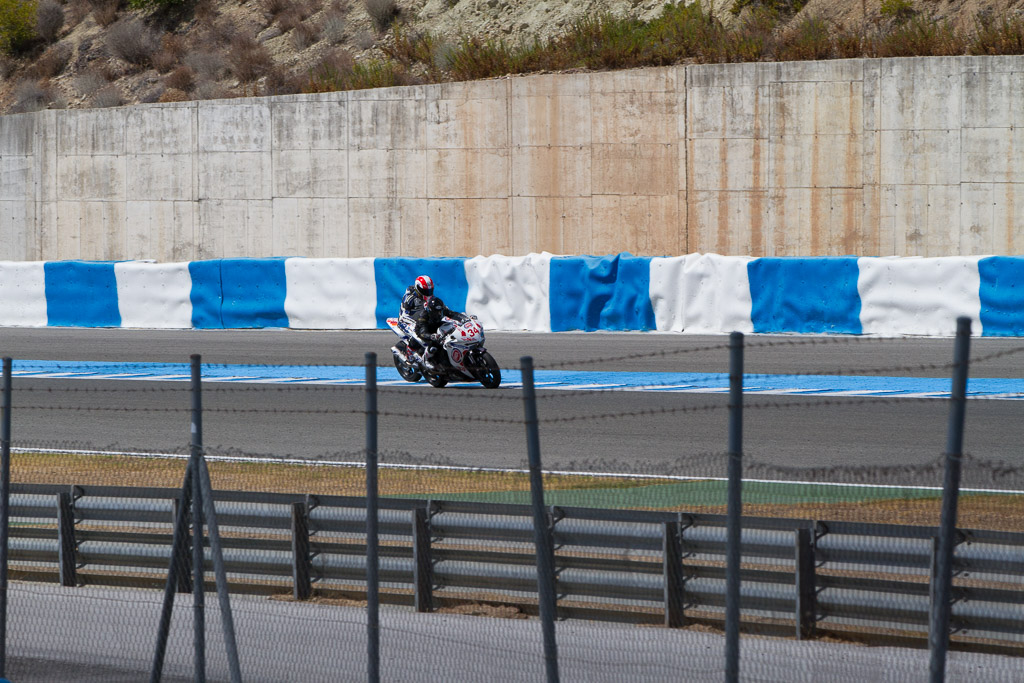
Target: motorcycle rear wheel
488 372
408 371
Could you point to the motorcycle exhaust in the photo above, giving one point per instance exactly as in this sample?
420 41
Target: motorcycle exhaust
399 354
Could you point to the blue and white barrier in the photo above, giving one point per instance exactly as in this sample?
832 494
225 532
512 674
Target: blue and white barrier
695 293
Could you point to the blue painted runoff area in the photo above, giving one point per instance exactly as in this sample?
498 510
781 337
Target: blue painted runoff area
670 382
81 294
600 293
805 295
1002 296
394 275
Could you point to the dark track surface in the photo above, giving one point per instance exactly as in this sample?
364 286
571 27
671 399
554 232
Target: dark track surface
818 438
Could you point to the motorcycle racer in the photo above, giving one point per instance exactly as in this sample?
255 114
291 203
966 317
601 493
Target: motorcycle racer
427 312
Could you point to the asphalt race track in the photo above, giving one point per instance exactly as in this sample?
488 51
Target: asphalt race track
882 438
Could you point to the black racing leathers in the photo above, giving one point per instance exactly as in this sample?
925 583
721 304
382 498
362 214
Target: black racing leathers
429 321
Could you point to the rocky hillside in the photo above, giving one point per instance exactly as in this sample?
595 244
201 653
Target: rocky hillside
102 53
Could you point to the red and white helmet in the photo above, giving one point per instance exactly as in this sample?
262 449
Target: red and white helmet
425 286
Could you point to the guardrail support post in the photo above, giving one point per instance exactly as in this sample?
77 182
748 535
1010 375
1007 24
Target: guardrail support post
302 586
181 546
938 631
423 569
66 540
542 537
734 511
672 564
806 590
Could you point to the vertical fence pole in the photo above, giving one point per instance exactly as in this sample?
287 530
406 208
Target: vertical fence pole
372 560
198 588
5 507
541 529
734 510
938 632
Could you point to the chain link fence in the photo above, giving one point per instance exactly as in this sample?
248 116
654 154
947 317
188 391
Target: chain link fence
570 525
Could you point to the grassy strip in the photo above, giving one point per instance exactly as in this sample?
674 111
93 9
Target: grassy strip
894 505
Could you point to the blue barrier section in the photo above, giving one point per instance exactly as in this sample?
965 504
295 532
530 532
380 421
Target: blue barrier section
1002 296
253 292
81 294
394 275
808 295
601 293
205 294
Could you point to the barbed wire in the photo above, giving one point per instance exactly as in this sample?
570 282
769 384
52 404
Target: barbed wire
229 411
631 356
633 413
450 418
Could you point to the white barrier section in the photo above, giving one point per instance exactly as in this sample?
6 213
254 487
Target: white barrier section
330 293
510 292
701 294
918 296
22 294
154 295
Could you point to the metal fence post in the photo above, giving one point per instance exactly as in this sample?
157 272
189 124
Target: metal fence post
198 587
734 510
541 529
66 540
806 590
422 567
302 586
672 570
938 631
372 541
5 505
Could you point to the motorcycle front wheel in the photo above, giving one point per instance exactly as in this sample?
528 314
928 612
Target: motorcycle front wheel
487 371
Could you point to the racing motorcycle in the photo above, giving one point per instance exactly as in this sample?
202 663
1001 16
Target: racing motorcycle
461 358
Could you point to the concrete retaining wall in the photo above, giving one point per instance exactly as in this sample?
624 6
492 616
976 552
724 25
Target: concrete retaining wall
696 293
919 156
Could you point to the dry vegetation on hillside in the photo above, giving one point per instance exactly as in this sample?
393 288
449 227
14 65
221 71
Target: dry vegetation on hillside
103 53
